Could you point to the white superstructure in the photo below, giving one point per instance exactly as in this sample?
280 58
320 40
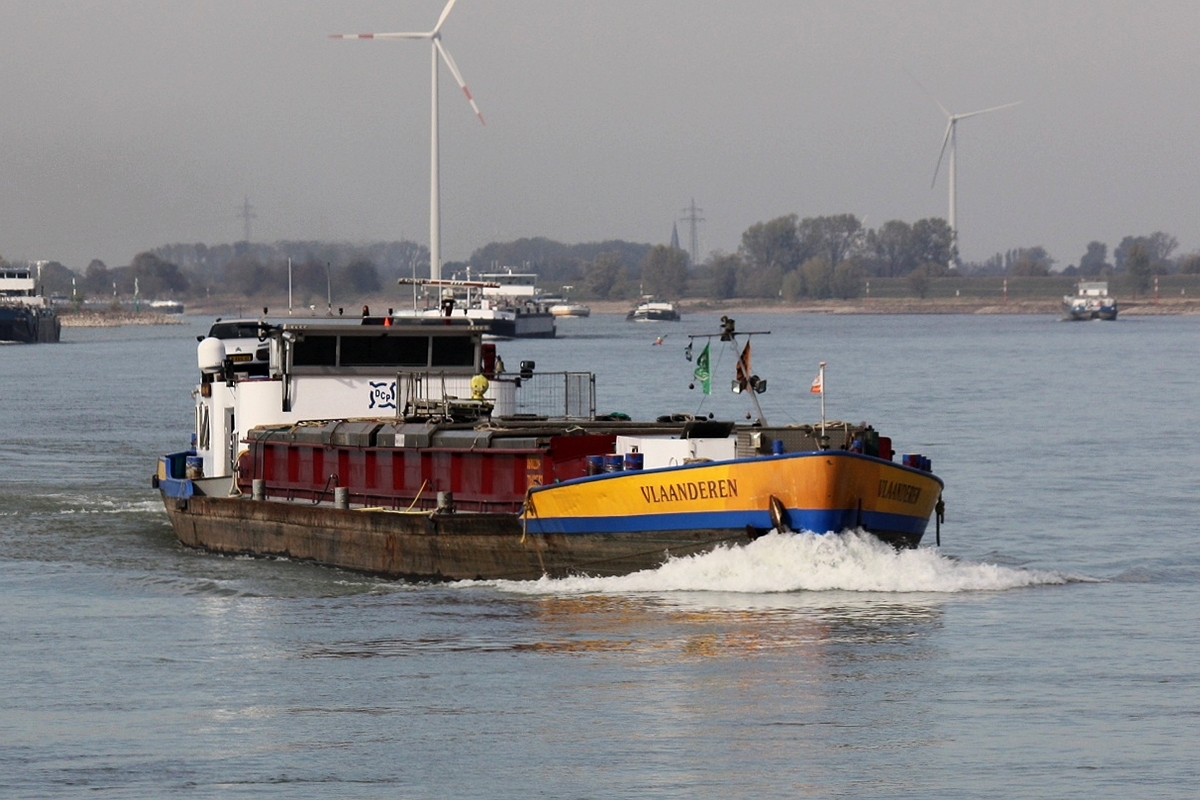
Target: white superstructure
341 372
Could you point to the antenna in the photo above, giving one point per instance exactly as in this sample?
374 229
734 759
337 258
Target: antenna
693 217
435 204
246 214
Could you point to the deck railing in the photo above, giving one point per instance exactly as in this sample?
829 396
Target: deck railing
555 395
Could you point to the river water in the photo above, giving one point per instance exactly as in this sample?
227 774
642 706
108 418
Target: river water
1049 648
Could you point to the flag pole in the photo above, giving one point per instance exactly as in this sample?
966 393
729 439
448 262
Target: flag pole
822 399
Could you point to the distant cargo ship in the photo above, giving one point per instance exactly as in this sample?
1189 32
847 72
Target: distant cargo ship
167 306
506 304
1090 301
25 316
651 310
565 308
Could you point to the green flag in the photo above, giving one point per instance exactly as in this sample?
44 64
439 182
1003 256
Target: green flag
702 374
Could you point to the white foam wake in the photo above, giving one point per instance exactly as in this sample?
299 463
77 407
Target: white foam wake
102 505
855 562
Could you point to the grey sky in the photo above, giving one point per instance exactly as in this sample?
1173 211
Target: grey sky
126 125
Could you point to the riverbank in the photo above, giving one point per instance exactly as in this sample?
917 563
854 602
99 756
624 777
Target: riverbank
217 307
906 305
114 319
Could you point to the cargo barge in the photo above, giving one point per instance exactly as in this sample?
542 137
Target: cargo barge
26 317
1090 301
402 448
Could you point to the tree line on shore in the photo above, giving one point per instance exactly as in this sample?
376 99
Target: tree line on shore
786 257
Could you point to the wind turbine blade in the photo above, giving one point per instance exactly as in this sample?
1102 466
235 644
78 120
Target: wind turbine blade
379 35
437 42
945 110
442 18
945 141
986 110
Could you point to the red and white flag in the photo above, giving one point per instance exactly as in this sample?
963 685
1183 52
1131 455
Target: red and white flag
818 384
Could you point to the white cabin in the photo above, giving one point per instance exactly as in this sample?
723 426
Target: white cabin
333 372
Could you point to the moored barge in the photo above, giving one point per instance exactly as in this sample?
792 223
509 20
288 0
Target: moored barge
26 317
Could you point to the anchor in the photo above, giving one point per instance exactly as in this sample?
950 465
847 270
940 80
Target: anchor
779 516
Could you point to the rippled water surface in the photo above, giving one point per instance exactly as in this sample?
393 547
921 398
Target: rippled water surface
1049 648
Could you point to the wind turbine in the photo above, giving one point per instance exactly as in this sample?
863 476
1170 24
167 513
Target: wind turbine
435 205
950 139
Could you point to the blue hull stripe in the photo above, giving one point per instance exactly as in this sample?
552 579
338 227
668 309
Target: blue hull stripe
814 520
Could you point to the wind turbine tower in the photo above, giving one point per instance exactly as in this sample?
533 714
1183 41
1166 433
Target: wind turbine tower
435 206
950 140
693 218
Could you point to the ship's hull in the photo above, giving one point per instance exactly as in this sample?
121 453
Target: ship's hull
28 324
534 325
1081 315
570 310
822 491
506 323
609 524
421 545
654 315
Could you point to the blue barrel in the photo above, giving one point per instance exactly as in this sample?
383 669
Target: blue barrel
614 463
595 465
777 447
634 460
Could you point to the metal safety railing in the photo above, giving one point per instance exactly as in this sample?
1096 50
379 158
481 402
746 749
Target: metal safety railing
555 395
549 395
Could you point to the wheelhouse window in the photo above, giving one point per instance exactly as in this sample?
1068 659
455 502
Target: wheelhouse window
315 351
453 351
385 351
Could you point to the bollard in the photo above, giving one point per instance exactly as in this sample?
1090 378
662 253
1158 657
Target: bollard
258 489
341 497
